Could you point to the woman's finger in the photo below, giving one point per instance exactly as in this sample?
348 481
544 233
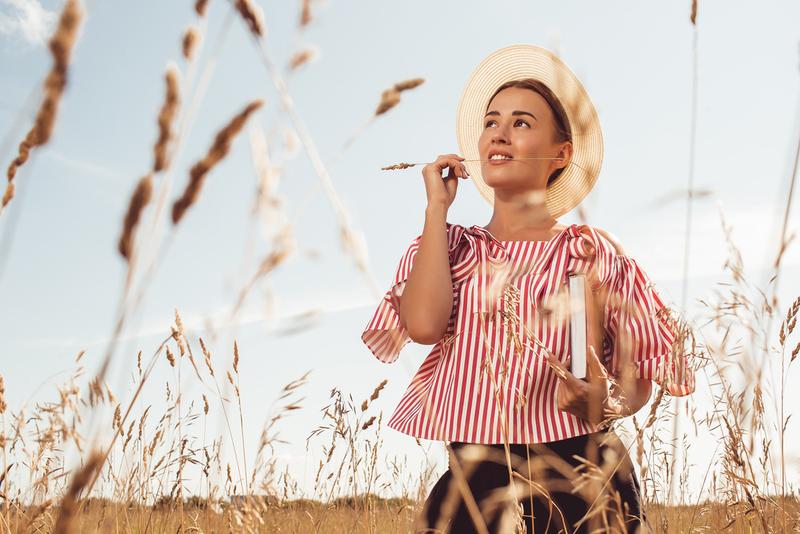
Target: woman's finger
558 368
563 373
597 371
453 168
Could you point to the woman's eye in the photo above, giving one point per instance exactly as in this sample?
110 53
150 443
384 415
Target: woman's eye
515 122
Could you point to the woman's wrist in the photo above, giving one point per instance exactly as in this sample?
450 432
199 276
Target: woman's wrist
624 405
615 406
436 209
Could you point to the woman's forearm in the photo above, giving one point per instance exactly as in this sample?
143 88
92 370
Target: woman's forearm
631 395
427 299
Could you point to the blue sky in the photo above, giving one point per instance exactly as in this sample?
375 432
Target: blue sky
62 274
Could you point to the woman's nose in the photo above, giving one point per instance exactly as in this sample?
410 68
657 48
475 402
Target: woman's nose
499 135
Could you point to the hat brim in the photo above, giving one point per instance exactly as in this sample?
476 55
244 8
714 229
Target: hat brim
529 61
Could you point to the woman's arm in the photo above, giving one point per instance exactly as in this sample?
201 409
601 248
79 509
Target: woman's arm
629 396
631 393
427 299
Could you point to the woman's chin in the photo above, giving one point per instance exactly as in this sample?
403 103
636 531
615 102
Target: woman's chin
520 190
502 180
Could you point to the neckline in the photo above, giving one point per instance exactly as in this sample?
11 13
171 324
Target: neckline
507 241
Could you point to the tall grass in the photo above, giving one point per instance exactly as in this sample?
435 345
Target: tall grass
90 460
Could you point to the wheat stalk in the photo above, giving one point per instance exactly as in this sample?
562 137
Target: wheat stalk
404 165
252 15
139 199
189 42
218 150
390 98
61 45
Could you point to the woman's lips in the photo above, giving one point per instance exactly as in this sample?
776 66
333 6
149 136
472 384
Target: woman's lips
499 161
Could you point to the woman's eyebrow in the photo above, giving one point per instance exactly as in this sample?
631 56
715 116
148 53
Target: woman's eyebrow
516 112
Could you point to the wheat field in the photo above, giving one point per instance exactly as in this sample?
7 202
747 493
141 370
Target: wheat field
154 458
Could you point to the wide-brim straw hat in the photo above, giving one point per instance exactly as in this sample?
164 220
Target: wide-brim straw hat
529 61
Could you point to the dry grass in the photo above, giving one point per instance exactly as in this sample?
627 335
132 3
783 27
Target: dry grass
139 199
252 15
190 39
301 515
61 45
157 463
302 57
216 152
158 473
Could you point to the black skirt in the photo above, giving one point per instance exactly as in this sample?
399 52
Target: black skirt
553 495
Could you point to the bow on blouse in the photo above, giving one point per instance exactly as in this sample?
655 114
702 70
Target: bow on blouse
488 260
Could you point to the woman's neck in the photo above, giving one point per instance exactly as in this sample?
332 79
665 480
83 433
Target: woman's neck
509 223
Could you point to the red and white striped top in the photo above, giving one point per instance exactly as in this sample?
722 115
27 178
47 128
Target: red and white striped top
487 377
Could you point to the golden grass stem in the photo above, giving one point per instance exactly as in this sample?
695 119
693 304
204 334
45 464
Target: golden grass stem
61 45
349 236
218 150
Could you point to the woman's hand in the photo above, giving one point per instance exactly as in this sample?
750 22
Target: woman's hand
443 190
588 398
591 398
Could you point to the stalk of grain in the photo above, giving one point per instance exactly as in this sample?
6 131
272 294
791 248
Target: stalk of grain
302 57
144 189
166 118
305 13
219 149
285 245
185 348
343 218
69 504
390 98
139 199
189 42
61 45
239 404
200 7
252 15
207 355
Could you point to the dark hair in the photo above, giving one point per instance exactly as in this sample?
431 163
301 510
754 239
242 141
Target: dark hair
563 131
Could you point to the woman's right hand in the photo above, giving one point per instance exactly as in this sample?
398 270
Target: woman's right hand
443 190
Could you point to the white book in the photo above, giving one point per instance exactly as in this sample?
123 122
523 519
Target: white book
577 324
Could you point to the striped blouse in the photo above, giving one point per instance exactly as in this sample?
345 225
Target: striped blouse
488 376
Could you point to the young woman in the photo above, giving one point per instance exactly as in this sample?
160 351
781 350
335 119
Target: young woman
522 430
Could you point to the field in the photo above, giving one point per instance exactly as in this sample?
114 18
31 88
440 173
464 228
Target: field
95 460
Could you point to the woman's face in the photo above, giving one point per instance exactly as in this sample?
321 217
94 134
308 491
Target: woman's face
519 123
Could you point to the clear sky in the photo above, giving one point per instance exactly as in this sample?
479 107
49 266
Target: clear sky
60 274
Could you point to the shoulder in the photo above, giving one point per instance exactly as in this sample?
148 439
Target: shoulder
454 227
611 239
455 233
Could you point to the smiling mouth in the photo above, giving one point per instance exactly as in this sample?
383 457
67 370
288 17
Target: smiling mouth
499 160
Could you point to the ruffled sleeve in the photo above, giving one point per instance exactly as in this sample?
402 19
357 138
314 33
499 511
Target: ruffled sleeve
640 330
384 335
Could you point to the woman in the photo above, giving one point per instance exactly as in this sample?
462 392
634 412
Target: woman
523 431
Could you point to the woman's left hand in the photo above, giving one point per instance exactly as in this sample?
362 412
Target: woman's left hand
587 398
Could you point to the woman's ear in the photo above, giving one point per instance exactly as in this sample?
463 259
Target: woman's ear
564 154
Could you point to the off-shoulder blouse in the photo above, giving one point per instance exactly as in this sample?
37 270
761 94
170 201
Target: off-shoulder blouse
487 379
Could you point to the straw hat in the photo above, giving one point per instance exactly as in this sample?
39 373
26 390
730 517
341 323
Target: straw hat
528 61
